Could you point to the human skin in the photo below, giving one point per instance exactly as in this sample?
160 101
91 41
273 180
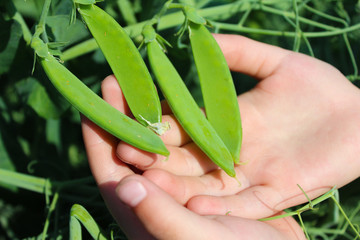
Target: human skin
299 127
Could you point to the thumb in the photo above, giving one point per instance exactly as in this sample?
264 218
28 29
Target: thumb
161 215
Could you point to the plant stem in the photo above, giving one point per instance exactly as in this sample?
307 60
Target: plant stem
297 39
351 53
346 217
50 210
11 9
304 208
245 16
303 226
293 15
236 28
324 15
166 21
127 11
221 12
40 27
37 184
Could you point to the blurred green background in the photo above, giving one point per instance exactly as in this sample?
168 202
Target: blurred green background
41 149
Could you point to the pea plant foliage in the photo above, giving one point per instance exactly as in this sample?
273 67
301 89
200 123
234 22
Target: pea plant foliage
54 50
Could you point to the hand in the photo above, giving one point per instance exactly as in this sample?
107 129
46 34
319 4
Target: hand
265 112
152 212
300 126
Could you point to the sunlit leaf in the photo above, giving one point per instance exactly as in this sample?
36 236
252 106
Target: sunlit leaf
82 215
75 229
85 2
25 181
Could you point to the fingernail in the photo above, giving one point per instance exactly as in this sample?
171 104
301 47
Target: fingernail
131 193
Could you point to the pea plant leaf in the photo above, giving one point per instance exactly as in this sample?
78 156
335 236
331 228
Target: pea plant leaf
45 103
53 133
10 35
85 2
80 214
5 159
64 32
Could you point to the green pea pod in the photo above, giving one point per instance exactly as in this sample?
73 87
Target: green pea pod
185 108
99 111
219 94
126 63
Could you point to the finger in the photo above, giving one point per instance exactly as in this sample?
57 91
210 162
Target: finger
106 167
112 94
283 228
100 145
253 58
100 150
176 136
183 188
254 203
129 223
162 216
107 170
188 160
